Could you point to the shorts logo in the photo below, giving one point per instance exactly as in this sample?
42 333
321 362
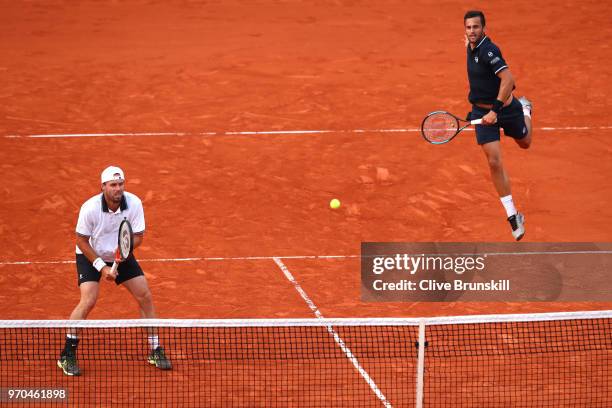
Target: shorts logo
80 276
476 59
524 130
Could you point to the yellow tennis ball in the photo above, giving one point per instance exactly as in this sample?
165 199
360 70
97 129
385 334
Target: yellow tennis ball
334 204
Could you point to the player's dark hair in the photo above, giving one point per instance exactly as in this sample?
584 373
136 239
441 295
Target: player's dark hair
475 13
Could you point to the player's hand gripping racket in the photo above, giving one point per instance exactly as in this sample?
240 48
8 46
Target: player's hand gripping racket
125 246
441 127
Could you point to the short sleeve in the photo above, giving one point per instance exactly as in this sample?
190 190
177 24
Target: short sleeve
85 224
494 58
138 219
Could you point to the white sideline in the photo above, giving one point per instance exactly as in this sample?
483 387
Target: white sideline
347 351
265 132
196 259
260 258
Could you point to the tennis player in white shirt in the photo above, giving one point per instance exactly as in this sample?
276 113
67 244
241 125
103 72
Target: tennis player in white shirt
96 243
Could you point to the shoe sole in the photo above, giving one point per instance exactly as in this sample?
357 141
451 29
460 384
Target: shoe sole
60 365
152 362
518 238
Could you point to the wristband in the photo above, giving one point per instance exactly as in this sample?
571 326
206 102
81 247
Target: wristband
99 264
497 106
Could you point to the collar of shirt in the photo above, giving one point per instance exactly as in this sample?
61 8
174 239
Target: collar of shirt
122 206
485 38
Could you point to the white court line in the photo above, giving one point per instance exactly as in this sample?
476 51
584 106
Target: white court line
260 258
333 333
265 132
196 259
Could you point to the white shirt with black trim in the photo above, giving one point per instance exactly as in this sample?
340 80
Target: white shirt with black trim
101 225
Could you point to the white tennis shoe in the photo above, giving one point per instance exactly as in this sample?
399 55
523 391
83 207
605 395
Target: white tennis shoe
517 222
526 104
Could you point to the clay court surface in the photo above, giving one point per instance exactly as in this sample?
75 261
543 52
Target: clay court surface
228 68
183 84
187 68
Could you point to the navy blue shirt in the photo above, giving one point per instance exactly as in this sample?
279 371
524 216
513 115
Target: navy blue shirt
484 62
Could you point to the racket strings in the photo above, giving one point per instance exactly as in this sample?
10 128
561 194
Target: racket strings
440 127
125 241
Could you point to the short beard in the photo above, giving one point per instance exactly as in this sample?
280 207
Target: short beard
112 199
479 39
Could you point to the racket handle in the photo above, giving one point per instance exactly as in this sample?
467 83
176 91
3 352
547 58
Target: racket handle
114 267
476 122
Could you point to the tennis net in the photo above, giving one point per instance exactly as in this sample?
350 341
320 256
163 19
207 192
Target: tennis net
543 360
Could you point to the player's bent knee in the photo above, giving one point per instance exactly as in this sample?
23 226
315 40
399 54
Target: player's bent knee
88 302
525 143
495 163
145 297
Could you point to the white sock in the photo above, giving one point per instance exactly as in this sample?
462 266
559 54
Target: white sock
153 342
508 205
527 112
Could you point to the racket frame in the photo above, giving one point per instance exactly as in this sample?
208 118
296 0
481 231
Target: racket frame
459 128
118 254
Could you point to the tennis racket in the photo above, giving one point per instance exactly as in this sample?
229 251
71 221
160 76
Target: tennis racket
441 127
125 244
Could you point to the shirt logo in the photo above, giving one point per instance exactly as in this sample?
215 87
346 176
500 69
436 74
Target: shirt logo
476 59
490 54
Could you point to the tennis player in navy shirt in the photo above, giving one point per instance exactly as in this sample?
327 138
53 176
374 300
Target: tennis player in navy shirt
491 87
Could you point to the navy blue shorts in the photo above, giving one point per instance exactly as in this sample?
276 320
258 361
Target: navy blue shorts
510 118
126 270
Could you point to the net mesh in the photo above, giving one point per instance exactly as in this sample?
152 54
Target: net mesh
551 362
562 363
439 127
217 366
